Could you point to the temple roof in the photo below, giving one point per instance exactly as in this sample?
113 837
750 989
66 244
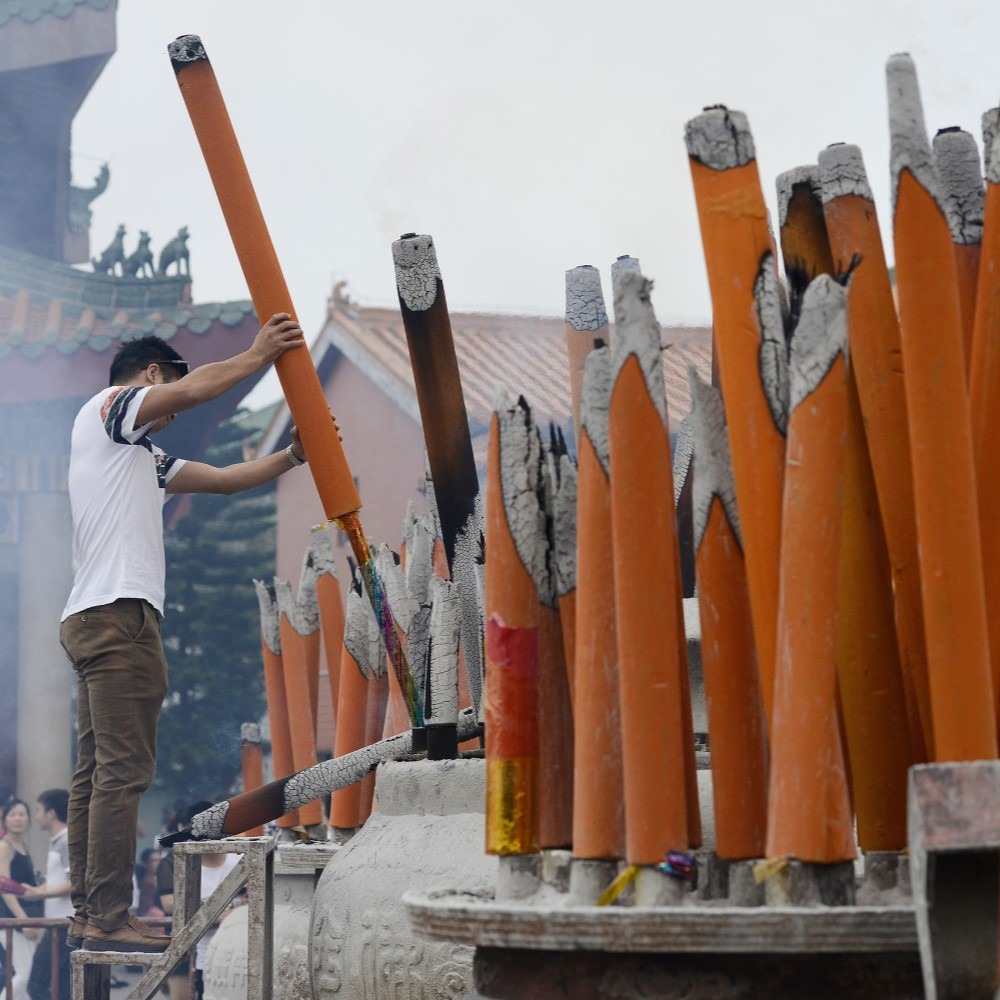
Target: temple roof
30 11
527 354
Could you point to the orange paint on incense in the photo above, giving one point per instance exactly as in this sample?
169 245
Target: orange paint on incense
749 345
656 737
251 765
274 685
512 543
598 813
809 813
736 726
586 325
877 370
955 619
331 612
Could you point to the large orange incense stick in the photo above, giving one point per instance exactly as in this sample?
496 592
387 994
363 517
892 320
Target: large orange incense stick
251 764
295 658
653 657
873 332
331 611
984 396
566 560
598 812
352 705
296 372
956 160
870 693
274 685
749 343
732 685
809 813
513 537
940 438
555 737
586 324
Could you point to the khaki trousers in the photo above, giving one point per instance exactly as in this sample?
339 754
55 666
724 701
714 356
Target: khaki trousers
121 670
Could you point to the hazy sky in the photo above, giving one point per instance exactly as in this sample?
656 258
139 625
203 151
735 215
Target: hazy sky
526 137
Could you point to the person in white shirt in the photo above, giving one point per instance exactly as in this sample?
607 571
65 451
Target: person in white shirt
118 481
50 815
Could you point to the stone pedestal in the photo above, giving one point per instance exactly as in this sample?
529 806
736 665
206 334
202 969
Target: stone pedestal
428 832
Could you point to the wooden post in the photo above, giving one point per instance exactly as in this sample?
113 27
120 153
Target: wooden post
940 438
873 332
732 685
750 348
809 814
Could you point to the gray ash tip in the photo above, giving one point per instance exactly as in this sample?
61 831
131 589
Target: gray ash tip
949 128
186 49
408 236
720 139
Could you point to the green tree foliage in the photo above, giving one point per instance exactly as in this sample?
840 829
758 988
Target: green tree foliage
211 630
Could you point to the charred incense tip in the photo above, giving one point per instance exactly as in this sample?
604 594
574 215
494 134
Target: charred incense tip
417 271
186 49
270 623
584 299
713 466
639 334
991 156
789 181
956 158
720 139
821 335
842 172
910 149
595 400
322 554
250 732
565 527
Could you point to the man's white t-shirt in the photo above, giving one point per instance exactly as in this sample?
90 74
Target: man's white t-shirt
211 879
57 873
117 487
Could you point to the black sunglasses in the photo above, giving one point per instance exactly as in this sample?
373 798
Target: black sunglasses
183 365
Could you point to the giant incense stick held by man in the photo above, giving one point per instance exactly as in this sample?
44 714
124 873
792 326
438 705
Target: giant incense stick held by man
270 295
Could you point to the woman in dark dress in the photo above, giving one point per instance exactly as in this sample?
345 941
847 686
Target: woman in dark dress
15 863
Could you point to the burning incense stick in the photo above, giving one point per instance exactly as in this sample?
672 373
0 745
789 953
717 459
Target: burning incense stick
955 619
586 323
956 160
293 625
732 685
274 684
809 814
442 671
598 812
251 764
331 611
514 533
566 559
240 813
446 431
869 693
656 726
750 348
873 331
296 372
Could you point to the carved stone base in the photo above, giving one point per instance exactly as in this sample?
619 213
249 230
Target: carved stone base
508 974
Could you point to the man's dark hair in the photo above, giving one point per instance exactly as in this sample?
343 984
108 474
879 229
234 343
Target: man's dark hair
56 799
136 355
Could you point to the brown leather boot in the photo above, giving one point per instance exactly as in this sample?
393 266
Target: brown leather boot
131 936
75 931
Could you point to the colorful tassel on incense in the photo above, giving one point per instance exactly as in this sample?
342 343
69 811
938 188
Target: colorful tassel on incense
598 813
732 685
661 804
955 619
514 541
750 350
809 812
296 372
454 478
274 686
872 706
875 349
984 393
